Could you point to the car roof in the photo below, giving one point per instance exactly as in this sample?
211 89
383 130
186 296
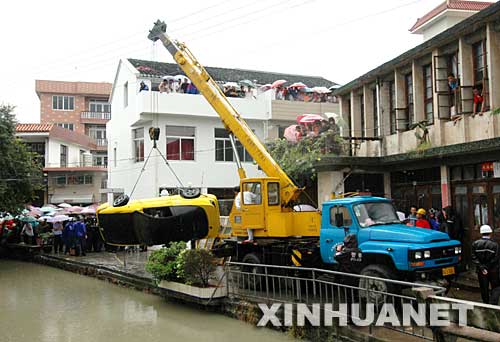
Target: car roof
356 199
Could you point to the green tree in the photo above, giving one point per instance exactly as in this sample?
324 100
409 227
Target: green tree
20 175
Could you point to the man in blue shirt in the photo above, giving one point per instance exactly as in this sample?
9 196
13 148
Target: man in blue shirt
81 234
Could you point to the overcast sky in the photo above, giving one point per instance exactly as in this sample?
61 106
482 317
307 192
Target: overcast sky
83 41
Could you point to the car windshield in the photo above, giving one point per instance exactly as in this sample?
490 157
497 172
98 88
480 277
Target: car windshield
375 213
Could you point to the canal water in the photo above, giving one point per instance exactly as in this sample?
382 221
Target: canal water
43 304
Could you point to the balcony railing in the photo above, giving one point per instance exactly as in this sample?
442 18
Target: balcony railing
101 142
95 115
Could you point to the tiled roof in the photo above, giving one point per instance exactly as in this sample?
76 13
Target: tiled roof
33 128
149 68
453 5
80 88
58 133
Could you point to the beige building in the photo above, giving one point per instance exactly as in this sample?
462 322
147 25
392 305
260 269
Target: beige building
413 132
70 174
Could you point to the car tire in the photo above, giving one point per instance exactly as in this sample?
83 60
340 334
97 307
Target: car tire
121 201
379 271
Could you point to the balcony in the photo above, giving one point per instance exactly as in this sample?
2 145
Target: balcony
288 110
101 142
94 117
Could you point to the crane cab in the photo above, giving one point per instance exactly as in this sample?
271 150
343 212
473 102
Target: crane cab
259 208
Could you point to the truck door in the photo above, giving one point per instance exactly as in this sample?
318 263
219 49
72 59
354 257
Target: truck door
252 215
331 234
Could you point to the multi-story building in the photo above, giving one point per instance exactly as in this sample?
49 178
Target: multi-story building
66 158
192 138
82 107
415 136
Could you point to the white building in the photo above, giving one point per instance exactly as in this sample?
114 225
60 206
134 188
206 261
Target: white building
71 176
192 136
446 15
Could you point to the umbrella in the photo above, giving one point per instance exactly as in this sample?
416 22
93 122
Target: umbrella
278 83
64 205
168 77
44 218
321 90
46 209
58 218
289 133
309 118
183 77
306 90
247 83
339 120
231 84
27 219
88 210
297 85
265 87
74 209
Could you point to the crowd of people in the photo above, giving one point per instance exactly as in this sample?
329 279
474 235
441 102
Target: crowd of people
245 89
444 220
76 236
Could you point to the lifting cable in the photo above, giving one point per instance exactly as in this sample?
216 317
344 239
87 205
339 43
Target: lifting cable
146 163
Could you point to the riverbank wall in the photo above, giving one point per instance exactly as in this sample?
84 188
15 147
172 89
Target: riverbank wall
238 309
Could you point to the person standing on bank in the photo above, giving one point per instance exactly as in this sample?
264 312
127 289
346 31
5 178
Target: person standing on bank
81 234
486 257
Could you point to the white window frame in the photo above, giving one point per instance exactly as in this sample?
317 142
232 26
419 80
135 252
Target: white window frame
66 125
180 137
228 141
63 98
134 141
100 106
93 130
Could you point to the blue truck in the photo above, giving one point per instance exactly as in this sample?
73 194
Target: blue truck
390 249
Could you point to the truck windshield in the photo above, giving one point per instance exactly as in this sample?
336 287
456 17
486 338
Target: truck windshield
375 213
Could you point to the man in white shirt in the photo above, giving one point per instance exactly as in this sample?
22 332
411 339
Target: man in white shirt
249 198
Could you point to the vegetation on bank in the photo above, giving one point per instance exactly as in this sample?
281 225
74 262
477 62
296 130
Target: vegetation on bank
176 263
20 174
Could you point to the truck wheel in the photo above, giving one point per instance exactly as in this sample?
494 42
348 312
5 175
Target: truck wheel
375 291
253 278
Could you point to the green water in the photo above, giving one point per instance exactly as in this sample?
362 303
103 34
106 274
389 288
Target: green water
39 303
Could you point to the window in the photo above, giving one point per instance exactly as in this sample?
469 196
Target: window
392 106
345 213
69 126
479 63
97 132
273 193
114 156
428 106
409 97
138 141
362 112
79 180
372 213
252 193
125 94
224 150
61 180
100 106
64 156
180 142
100 160
375 114
60 102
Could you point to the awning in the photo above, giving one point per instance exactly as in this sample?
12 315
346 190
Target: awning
72 199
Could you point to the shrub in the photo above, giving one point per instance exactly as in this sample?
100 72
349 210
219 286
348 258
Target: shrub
163 263
196 266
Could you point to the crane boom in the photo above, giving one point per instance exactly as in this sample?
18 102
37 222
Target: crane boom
230 117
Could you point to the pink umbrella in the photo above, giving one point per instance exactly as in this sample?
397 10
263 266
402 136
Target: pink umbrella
298 85
34 211
88 210
290 133
309 118
74 209
278 83
265 87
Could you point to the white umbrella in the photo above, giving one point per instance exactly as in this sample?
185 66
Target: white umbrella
58 218
339 120
183 77
88 210
231 84
321 90
64 205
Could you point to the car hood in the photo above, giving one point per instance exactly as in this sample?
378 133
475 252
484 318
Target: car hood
402 233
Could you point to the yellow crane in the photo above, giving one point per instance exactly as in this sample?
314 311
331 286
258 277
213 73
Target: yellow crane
268 211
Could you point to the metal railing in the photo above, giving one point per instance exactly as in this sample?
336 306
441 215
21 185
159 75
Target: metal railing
95 115
285 284
101 142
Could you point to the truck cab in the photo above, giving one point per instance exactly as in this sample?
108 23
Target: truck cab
390 249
